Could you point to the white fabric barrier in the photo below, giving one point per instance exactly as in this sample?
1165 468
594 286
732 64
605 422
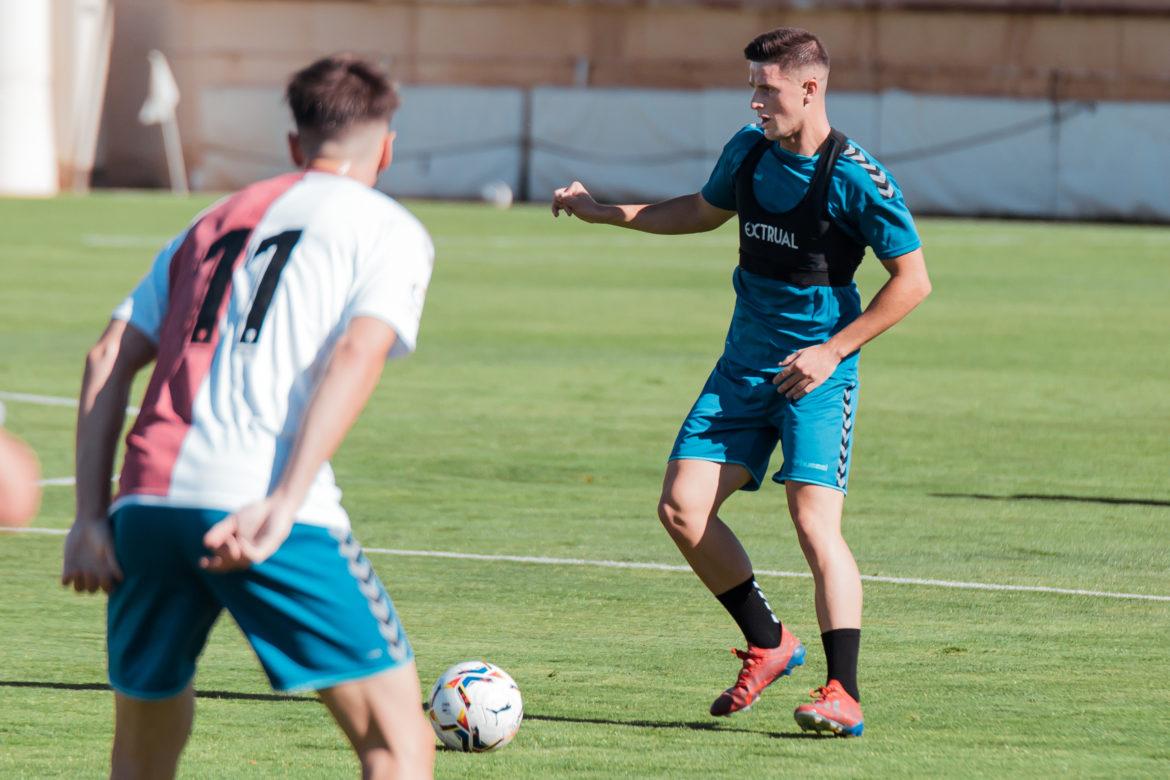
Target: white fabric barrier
242 136
951 155
971 156
1114 163
623 144
645 144
451 142
650 145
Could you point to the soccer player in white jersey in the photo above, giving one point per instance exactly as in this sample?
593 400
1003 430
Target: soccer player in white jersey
269 320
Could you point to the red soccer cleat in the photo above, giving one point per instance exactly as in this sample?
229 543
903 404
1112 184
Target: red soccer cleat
833 710
761 668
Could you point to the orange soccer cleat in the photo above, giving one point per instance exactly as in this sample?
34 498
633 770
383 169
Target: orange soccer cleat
833 710
761 668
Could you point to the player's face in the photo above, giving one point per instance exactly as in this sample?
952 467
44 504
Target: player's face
778 100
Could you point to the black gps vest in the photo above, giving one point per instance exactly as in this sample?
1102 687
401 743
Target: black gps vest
801 246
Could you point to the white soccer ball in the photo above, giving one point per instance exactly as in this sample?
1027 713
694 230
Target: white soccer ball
497 193
475 707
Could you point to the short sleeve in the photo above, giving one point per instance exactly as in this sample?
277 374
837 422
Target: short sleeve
146 306
888 227
719 190
392 279
871 204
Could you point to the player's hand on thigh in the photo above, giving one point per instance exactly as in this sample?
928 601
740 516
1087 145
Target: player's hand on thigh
805 370
248 536
90 563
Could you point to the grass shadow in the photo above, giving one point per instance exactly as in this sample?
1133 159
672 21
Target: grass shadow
1040 497
199 694
701 725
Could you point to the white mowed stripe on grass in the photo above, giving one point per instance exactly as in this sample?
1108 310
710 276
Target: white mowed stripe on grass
645 565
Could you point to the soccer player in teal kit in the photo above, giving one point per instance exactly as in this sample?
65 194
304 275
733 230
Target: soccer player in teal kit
809 201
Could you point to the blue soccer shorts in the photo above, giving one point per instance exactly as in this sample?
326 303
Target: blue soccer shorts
315 613
739 418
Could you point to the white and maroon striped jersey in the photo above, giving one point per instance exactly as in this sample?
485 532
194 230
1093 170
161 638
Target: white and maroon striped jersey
245 307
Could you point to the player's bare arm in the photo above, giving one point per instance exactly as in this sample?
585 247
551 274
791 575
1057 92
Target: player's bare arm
908 285
255 532
684 214
110 367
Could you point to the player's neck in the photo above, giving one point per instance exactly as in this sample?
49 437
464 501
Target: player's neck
808 139
339 167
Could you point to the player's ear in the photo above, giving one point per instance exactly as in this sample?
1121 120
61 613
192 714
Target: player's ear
295 151
387 151
812 88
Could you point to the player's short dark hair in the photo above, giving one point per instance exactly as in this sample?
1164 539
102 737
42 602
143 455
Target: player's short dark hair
337 92
789 47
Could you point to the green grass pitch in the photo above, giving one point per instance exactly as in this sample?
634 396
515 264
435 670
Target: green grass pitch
1015 430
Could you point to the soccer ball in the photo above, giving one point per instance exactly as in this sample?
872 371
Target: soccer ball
475 707
497 193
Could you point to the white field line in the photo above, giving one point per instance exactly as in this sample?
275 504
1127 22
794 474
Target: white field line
66 481
37 531
48 400
1100 594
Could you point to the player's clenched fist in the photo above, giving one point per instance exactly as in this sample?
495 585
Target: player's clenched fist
576 201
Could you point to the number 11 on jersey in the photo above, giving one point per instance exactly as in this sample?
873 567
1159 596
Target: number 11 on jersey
228 247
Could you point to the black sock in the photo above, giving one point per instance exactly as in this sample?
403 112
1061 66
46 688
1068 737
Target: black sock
841 648
752 614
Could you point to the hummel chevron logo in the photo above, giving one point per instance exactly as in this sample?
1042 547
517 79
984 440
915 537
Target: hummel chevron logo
884 185
846 429
381 609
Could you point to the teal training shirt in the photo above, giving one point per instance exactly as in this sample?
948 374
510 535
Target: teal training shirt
773 319
857 202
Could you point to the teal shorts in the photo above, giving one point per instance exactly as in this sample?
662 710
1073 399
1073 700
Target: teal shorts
315 613
739 418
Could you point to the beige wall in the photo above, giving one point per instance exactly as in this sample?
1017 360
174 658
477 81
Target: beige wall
1119 51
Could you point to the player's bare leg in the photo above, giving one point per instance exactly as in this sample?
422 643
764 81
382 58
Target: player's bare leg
692 493
149 735
383 719
816 513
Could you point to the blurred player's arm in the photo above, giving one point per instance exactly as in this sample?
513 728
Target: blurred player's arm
19 493
909 284
110 367
255 532
685 214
